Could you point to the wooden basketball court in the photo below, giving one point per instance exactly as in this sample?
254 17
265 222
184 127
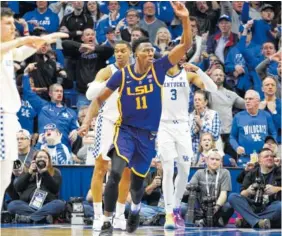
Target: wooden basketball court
75 230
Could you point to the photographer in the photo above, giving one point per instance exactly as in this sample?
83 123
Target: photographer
213 182
260 199
38 190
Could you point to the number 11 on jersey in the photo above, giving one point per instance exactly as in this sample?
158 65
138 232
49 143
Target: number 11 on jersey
141 103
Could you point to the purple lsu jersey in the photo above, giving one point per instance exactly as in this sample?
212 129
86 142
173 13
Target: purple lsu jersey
140 102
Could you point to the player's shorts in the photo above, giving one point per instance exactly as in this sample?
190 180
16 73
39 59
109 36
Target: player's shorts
136 146
174 142
104 133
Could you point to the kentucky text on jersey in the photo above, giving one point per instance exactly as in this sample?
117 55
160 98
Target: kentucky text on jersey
174 84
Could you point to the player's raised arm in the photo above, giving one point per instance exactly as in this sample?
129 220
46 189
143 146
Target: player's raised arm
179 51
113 83
99 83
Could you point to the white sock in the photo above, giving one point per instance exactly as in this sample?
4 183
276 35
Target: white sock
168 188
98 210
120 208
107 218
135 207
180 182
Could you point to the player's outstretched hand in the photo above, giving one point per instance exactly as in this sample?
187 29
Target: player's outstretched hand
52 38
180 10
83 130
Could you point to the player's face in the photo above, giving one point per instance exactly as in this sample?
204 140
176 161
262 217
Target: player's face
122 53
266 159
92 6
42 4
8 29
268 49
56 94
224 26
113 6
78 5
132 18
218 77
238 5
206 142
149 9
214 161
23 141
163 35
269 86
267 14
145 52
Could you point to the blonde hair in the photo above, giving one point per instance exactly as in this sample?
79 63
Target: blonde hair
157 36
213 142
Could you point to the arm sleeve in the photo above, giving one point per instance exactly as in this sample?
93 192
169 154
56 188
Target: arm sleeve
52 183
226 8
262 67
161 66
247 181
105 52
271 127
115 81
22 53
22 181
239 102
234 134
35 101
245 12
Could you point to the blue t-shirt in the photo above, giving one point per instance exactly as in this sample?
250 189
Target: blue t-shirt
140 102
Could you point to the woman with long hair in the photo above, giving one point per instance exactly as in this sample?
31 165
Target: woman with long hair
38 189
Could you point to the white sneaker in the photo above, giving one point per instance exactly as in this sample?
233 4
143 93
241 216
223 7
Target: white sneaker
119 222
97 223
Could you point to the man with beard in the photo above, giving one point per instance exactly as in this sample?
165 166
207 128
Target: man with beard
223 102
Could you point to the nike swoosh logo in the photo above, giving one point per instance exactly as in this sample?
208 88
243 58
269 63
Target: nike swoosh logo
128 82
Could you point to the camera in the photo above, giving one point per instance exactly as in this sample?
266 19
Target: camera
41 164
17 164
209 202
76 210
192 192
259 188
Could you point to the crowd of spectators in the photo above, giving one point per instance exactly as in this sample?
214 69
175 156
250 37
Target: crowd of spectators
238 44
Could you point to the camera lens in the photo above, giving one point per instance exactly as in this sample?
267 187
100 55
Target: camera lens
41 164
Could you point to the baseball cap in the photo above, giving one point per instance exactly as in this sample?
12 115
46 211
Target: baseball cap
270 137
110 30
25 133
266 6
224 17
50 126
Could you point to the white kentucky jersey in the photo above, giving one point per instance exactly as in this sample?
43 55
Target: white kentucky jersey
10 99
175 103
109 109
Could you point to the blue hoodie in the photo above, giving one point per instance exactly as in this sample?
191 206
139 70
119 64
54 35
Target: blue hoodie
49 20
64 118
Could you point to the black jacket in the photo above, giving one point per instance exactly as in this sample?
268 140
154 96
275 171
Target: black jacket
87 65
25 184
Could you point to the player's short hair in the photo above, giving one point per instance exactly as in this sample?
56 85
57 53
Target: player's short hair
264 150
5 11
124 42
270 77
144 32
137 42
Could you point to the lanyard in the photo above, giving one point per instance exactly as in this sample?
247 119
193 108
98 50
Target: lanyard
216 183
26 157
38 182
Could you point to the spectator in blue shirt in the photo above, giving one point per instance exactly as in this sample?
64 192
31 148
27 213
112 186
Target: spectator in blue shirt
52 112
261 28
42 17
111 21
250 128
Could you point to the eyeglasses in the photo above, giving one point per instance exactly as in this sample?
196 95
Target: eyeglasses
131 15
22 139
